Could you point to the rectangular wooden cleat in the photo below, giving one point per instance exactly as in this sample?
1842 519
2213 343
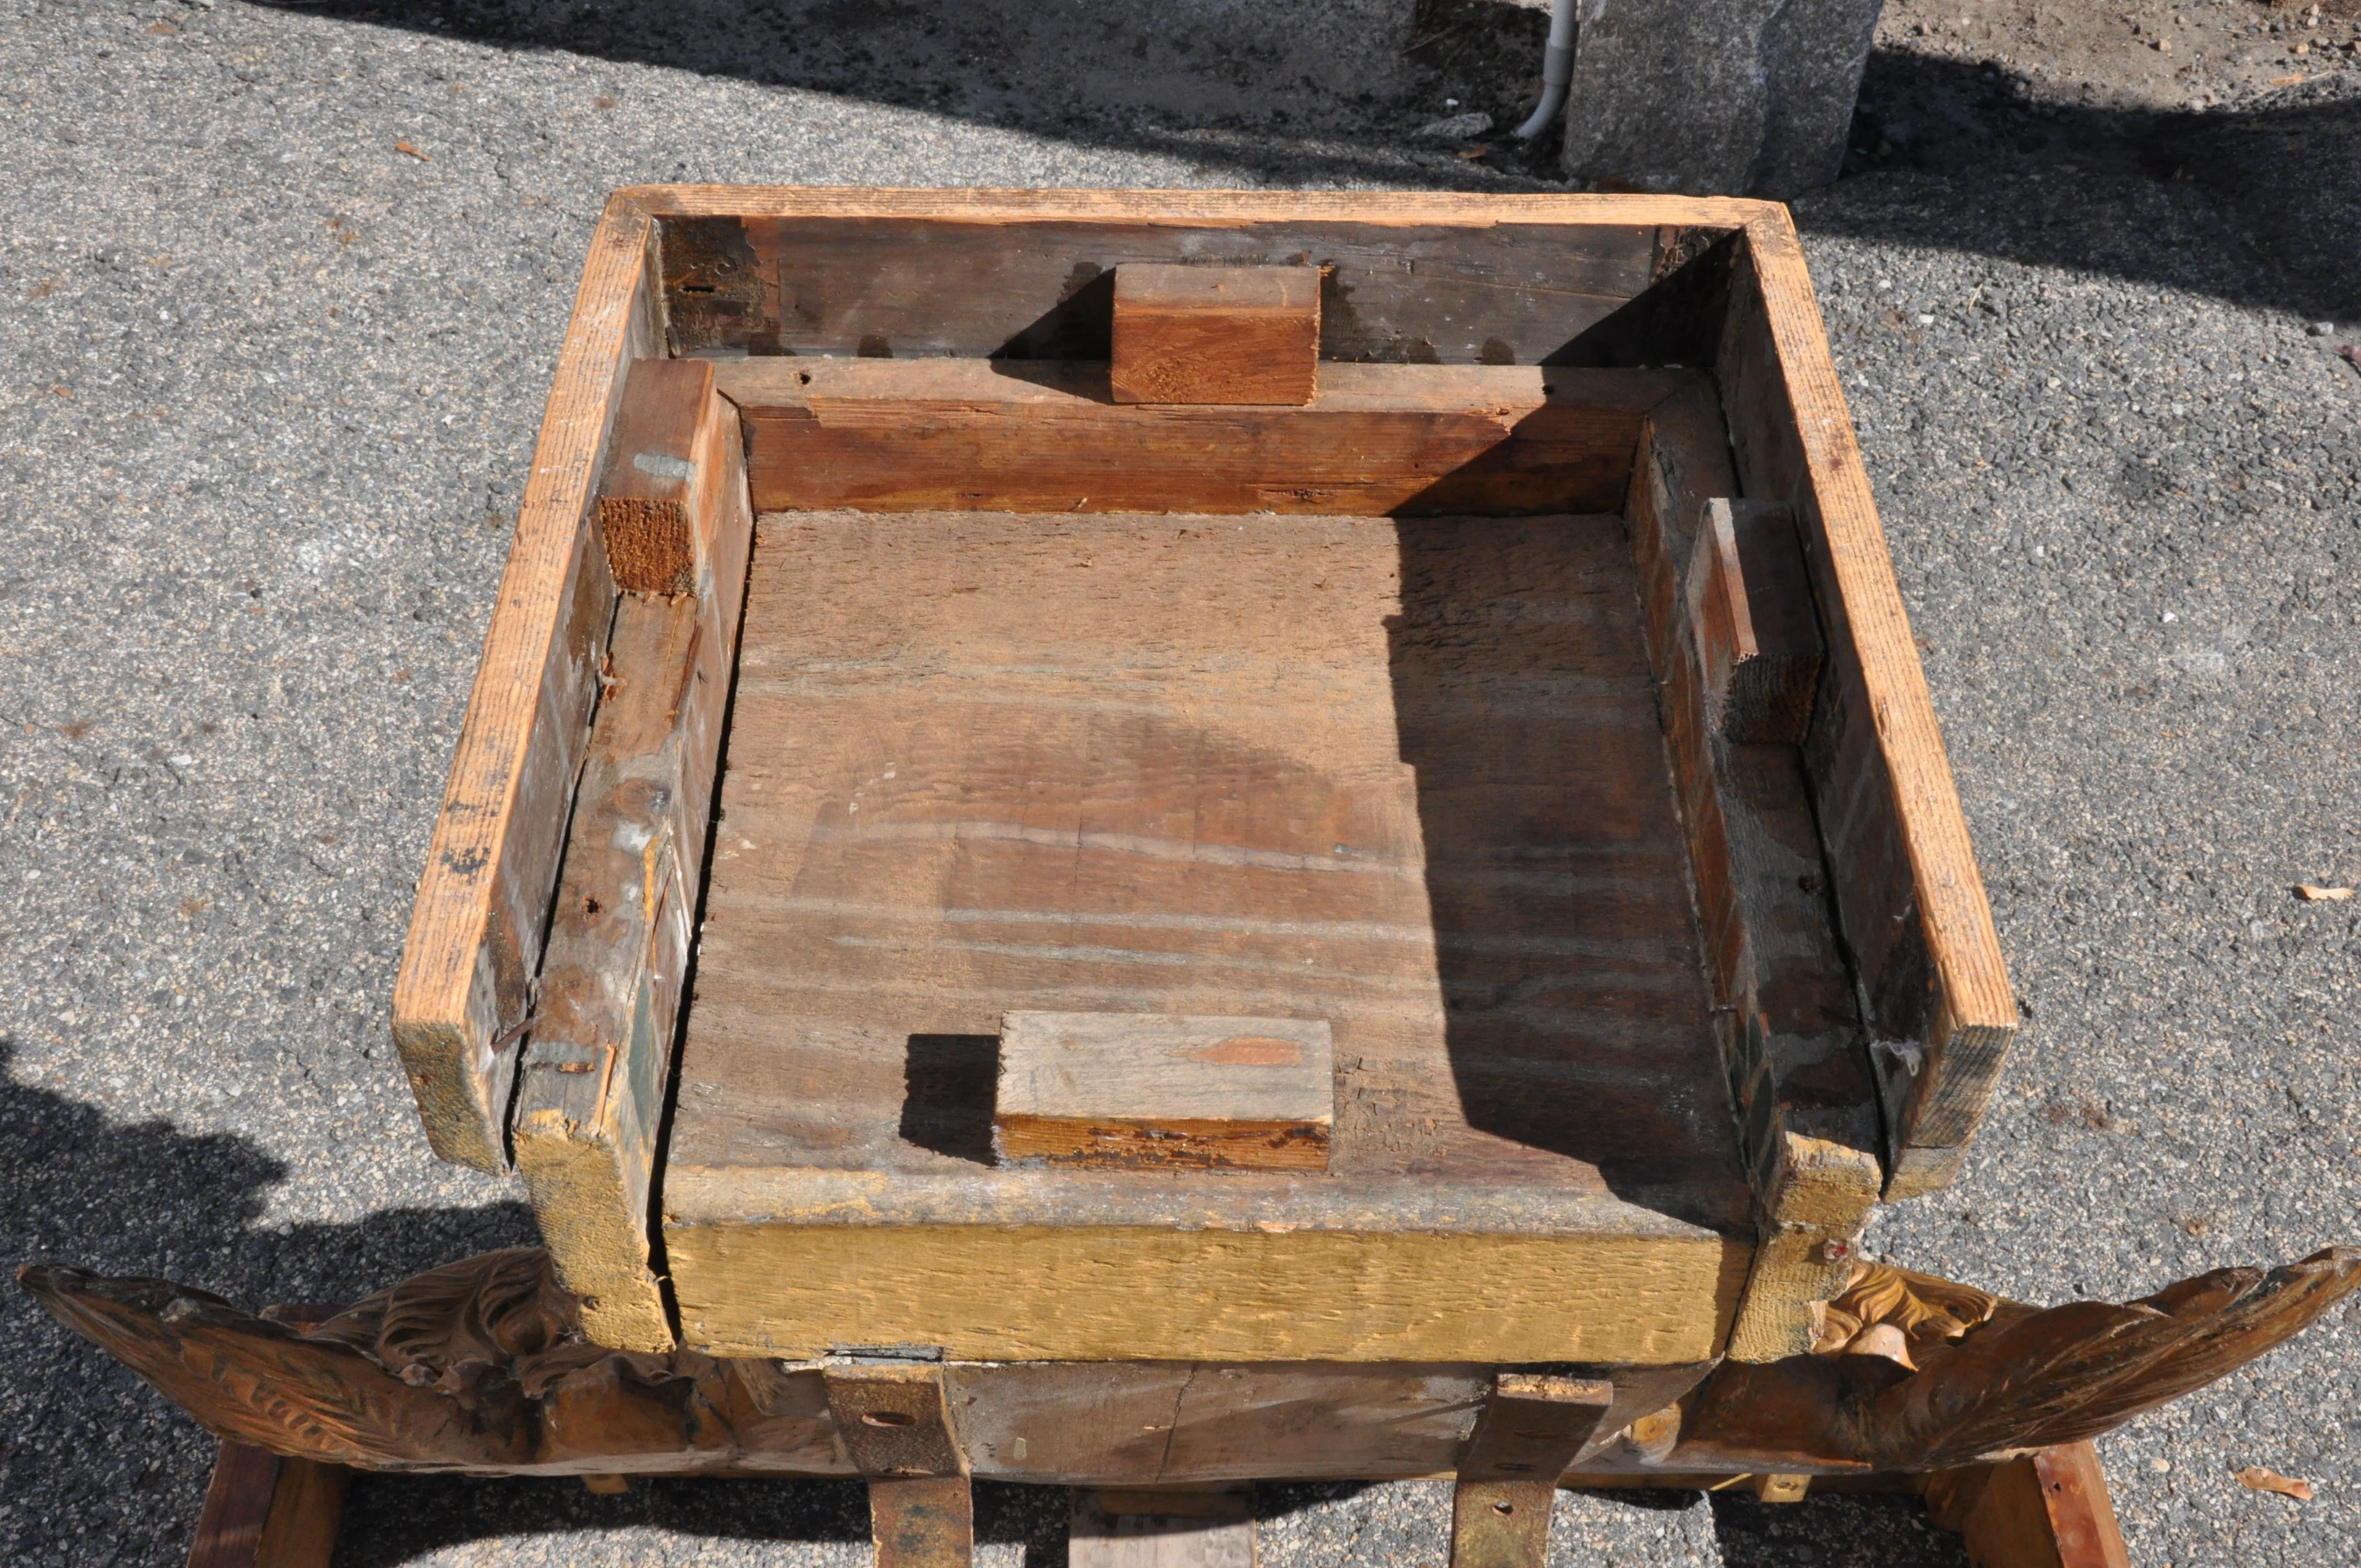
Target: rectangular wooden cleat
1216 334
1144 1089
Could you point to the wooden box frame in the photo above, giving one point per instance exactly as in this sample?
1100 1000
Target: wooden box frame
1617 283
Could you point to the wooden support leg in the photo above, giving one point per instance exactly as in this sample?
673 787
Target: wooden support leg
924 1521
2049 1509
262 1512
1530 1431
897 1425
1162 1529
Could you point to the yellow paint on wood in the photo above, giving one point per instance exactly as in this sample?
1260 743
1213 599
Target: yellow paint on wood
1126 1293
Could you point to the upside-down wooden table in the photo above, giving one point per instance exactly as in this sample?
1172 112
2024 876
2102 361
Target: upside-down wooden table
1139 840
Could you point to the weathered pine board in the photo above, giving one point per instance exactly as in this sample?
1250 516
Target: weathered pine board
1907 890
1029 275
1792 1040
1333 766
476 930
890 435
1215 334
599 1062
1145 1090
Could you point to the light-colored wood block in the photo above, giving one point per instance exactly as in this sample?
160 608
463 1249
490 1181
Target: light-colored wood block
1749 611
1149 1089
1216 334
1161 1529
647 498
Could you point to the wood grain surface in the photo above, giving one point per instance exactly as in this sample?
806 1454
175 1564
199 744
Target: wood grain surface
480 913
890 435
1328 766
1908 892
1144 1089
598 1065
1215 334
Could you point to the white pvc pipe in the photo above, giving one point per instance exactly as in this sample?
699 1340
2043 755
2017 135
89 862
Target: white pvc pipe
1557 69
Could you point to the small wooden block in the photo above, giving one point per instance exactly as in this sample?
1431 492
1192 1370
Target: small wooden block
2047 1509
894 1421
1750 607
1178 1528
645 498
1151 1089
1216 334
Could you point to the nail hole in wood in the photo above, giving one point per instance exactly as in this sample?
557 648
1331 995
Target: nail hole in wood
887 1419
1504 1508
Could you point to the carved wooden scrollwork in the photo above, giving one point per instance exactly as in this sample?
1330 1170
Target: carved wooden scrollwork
482 1365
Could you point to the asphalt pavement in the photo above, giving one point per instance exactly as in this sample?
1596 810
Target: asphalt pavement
284 286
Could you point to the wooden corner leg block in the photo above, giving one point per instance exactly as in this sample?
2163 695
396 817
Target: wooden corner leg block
1216 334
262 1512
1192 1528
895 1425
2047 1509
1758 637
647 495
1528 1432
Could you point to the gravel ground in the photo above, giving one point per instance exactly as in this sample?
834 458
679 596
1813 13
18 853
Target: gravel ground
266 403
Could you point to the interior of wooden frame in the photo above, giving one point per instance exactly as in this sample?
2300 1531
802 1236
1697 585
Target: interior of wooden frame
769 1151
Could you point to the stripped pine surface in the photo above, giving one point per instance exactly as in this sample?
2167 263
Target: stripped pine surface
1404 775
1215 334
890 435
476 927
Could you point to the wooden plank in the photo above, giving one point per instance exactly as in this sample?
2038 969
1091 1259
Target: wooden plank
892 435
646 499
1170 1528
2046 1509
1750 618
923 1522
1791 1037
599 1066
1908 893
1278 1421
262 1512
1087 764
1147 1091
483 899
1028 275
1215 334
1070 1422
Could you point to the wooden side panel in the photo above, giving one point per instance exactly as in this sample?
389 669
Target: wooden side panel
1791 1037
1310 1420
600 1062
1499 292
1378 439
1215 334
1907 891
483 899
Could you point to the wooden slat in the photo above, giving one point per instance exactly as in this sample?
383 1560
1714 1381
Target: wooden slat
890 435
599 1061
1168 1528
1791 1037
483 900
1149 1091
262 1512
1908 893
1215 334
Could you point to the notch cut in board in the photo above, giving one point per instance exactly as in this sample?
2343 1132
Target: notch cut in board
1146 1090
1216 334
1749 608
